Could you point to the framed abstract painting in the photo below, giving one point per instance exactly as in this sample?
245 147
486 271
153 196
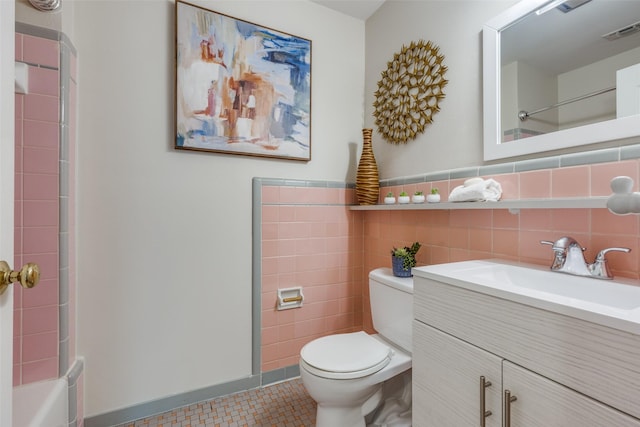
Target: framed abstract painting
241 88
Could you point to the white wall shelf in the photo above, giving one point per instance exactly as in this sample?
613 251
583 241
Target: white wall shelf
560 203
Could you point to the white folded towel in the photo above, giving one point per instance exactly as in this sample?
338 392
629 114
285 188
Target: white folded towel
477 190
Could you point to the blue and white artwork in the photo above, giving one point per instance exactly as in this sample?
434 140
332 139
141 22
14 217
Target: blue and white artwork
241 88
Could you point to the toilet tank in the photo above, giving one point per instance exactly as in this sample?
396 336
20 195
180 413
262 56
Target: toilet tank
391 301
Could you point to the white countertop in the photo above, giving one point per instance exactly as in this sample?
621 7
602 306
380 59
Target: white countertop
612 303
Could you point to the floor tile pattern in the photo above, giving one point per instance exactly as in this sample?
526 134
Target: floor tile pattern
285 404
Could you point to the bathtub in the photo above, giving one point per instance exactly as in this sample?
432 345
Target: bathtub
41 404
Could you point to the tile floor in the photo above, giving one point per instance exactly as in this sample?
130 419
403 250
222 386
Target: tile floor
285 404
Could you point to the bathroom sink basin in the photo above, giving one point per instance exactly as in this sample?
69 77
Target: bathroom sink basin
613 303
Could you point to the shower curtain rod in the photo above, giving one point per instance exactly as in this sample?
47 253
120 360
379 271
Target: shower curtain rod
524 115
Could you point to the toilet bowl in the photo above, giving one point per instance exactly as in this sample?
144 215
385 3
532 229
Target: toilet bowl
345 373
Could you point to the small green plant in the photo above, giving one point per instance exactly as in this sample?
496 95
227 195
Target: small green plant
434 190
403 194
418 193
408 255
390 194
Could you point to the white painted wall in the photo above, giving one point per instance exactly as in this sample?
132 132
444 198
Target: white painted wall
454 139
164 236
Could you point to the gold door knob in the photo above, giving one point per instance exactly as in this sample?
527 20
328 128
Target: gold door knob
28 276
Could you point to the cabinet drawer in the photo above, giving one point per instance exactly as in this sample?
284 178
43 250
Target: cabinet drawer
598 361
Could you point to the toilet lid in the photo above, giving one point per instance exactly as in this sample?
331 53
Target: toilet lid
345 356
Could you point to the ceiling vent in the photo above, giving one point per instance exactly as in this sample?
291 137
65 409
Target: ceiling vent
623 32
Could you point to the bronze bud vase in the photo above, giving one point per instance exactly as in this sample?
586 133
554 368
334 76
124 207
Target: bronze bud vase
367 182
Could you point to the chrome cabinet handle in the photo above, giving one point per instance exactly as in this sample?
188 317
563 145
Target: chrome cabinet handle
507 407
483 413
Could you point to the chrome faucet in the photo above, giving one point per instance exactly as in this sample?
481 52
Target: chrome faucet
569 258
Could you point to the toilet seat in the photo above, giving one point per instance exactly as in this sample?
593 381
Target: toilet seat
345 356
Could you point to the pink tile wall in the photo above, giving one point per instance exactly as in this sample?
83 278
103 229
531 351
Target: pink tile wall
306 242
36 213
311 239
458 235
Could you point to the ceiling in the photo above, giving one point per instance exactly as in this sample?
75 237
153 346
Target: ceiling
360 9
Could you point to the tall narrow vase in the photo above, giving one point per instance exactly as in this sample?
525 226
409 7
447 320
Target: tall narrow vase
367 182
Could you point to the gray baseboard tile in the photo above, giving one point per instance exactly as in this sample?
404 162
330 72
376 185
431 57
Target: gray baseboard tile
537 164
463 173
281 182
590 157
159 406
282 374
497 169
630 152
256 274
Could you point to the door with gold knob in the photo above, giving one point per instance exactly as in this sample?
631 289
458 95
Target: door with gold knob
7 46
28 276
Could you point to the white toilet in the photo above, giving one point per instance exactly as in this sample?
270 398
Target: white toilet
351 375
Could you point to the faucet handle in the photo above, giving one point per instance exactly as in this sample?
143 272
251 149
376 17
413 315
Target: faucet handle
562 244
602 253
599 269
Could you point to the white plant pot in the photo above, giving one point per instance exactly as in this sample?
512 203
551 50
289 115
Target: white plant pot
389 200
418 198
403 200
433 198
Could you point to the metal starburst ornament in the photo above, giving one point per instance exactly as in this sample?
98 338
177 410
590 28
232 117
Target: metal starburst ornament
409 92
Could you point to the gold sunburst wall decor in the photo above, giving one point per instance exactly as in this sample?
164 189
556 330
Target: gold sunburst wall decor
409 92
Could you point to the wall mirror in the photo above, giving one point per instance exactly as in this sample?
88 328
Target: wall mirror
560 74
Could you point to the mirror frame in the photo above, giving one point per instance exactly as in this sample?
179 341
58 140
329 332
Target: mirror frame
609 130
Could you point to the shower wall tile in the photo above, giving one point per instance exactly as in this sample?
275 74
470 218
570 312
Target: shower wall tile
37 50
41 161
40 370
40 213
47 294
37 219
38 240
44 81
41 107
39 346
19 102
39 187
18 49
41 134
40 319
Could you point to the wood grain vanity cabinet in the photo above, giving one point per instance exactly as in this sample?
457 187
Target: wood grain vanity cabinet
480 360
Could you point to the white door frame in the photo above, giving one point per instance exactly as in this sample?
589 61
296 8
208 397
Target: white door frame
7 159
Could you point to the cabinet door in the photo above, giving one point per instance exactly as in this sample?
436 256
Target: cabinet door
543 403
446 381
